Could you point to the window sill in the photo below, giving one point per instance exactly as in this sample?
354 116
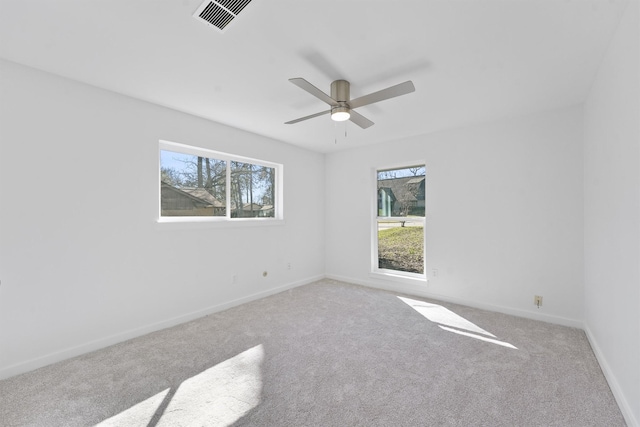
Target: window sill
182 223
409 278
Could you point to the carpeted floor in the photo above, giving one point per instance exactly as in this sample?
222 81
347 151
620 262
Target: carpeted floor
327 354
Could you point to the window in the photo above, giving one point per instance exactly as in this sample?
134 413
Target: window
399 239
198 184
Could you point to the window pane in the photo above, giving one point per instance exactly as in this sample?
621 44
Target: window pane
401 192
192 185
401 246
252 190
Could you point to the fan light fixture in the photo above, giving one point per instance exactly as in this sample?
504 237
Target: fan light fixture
340 114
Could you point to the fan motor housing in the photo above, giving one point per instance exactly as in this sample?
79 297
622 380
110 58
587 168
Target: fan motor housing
340 90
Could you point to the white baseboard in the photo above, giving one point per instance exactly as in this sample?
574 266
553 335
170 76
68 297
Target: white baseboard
99 343
613 382
419 290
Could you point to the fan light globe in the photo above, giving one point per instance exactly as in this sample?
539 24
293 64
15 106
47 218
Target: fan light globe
340 114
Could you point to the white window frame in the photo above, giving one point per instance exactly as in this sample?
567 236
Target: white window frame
384 272
278 217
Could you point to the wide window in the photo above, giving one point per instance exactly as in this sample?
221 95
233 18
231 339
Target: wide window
399 239
197 183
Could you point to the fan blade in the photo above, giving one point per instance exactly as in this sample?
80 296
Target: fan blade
307 117
305 85
381 95
360 120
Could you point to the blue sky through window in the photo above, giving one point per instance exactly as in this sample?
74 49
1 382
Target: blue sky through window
173 160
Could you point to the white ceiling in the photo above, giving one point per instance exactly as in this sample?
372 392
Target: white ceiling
471 61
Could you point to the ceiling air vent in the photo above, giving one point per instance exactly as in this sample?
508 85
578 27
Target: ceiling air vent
219 13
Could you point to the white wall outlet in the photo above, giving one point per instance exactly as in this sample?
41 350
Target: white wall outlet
434 272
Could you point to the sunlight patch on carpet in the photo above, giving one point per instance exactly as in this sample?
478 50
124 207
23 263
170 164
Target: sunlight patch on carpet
219 396
443 316
138 415
479 337
439 314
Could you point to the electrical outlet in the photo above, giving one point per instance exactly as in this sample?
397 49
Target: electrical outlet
537 300
288 266
434 272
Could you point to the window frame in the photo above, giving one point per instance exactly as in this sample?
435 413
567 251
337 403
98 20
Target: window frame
278 204
386 273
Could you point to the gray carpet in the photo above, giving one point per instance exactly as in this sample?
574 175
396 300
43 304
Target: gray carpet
327 354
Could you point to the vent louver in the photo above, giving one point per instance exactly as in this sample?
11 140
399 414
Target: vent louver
220 13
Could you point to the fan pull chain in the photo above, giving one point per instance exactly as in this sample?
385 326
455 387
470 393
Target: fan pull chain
335 131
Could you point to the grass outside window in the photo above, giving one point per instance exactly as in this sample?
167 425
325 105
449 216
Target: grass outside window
401 248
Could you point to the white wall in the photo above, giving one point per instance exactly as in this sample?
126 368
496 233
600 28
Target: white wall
612 215
83 262
504 214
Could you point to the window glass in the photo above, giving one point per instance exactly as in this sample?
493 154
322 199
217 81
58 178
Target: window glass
252 190
192 185
399 230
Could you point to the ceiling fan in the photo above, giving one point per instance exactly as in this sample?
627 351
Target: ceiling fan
342 107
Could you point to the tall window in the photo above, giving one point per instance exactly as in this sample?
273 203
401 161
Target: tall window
399 226
195 182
